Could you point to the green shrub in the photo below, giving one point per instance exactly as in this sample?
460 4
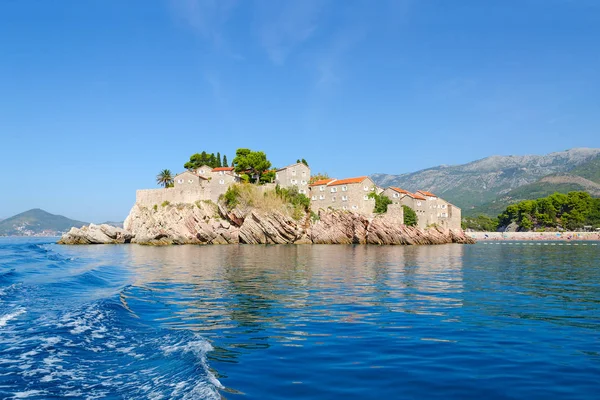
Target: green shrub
155 207
381 202
231 196
165 203
410 216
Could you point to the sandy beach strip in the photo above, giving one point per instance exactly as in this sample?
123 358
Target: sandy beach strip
534 236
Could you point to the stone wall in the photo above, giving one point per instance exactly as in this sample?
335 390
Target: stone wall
150 197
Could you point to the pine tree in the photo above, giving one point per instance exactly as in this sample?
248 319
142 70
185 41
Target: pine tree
225 161
219 159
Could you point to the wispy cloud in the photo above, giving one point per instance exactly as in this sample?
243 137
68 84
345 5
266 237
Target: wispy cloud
285 25
207 18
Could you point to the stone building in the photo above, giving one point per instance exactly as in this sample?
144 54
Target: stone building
189 179
430 209
220 179
294 175
204 170
350 194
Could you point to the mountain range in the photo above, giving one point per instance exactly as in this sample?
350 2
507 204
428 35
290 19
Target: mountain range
488 185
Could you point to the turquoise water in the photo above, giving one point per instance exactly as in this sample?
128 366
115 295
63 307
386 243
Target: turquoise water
299 322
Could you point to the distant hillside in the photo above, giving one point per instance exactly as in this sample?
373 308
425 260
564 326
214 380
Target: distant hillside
492 180
561 183
37 222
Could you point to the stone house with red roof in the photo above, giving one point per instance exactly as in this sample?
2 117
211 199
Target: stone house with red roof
297 175
220 180
350 194
430 209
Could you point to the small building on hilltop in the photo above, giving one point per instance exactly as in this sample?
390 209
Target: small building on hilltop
189 179
204 170
297 175
220 180
350 194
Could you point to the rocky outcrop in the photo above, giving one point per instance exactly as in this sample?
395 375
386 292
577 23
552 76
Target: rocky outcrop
96 234
208 223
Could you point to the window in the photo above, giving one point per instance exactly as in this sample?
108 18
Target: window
418 204
303 182
321 197
344 198
302 191
333 189
366 188
443 206
294 172
333 198
222 181
322 189
344 188
396 195
314 198
190 181
344 207
373 188
180 181
366 197
303 173
293 181
355 207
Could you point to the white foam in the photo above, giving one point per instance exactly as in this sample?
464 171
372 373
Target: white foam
5 318
27 393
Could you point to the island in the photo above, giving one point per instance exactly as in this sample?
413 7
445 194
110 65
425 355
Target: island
250 203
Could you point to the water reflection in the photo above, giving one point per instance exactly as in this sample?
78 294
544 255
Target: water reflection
237 292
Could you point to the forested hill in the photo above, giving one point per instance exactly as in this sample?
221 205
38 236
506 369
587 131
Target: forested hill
37 222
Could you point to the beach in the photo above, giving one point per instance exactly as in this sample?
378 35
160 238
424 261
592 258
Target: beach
536 236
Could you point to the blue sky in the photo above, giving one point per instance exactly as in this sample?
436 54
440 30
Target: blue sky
98 96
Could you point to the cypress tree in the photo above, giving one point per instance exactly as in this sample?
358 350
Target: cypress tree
219 159
225 161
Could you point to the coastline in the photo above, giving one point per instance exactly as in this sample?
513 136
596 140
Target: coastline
534 236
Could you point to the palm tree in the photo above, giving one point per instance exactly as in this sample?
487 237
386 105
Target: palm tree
164 178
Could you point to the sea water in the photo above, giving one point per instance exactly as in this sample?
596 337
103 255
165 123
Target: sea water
299 322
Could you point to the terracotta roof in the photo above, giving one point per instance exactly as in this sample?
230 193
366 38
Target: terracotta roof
400 190
348 181
423 192
417 196
322 182
222 169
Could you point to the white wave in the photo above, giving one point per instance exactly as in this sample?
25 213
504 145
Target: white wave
5 318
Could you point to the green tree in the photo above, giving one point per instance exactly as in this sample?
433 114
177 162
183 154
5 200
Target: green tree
267 176
526 223
410 216
318 176
199 159
164 178
254 162
225 161
219 160
304 162
381 202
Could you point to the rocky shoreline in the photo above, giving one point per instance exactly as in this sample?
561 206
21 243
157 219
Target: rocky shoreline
209 223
